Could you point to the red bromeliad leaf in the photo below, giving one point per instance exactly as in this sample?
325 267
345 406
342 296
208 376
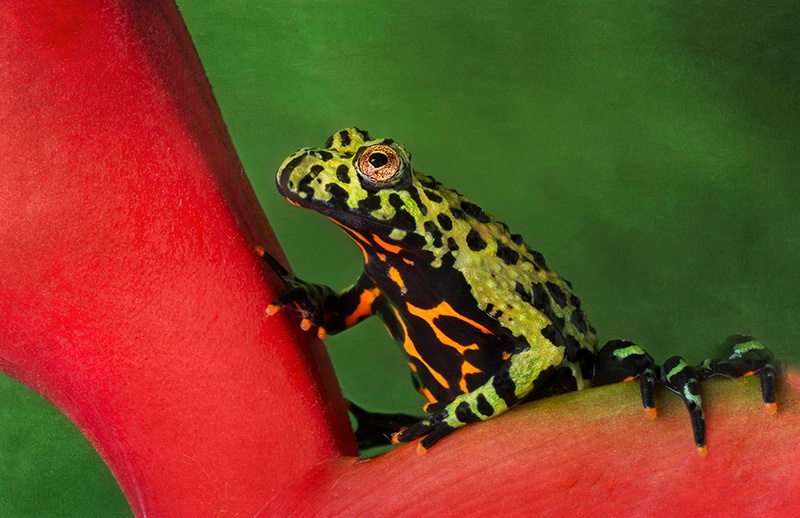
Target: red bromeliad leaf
132 297
592 453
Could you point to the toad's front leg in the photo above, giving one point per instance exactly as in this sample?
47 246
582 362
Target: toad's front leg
518 377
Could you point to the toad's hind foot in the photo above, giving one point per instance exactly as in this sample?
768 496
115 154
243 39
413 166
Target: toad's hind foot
745 356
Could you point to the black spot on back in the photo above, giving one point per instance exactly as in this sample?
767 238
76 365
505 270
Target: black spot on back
305 185
414 193
553 335
451 244
405 221
557 294
445 222
344 137
572 347
370 203
458 213
435 198
293 163
324 155
508 255
541 301
578 319
475 242
539 259
341 173
433 231
524 295
402 219
516 239
474 211
338 196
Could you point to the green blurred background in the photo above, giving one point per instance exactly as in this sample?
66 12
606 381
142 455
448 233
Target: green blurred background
650 150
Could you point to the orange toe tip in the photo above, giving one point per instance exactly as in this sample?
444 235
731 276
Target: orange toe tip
771 408
421 450
260 250
702 451
321 333
305 324
272 309
650 413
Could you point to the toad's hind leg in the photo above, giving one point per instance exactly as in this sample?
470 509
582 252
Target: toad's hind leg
518 377
746 356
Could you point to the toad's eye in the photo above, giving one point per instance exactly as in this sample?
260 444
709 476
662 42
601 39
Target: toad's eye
378 159
380 165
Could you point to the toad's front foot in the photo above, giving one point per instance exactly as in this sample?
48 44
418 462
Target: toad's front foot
304 299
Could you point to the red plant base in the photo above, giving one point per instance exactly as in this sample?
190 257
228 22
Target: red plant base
132 297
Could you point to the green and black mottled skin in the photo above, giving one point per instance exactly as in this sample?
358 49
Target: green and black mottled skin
484 322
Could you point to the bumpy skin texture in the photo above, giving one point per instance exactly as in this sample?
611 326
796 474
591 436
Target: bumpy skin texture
484 322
